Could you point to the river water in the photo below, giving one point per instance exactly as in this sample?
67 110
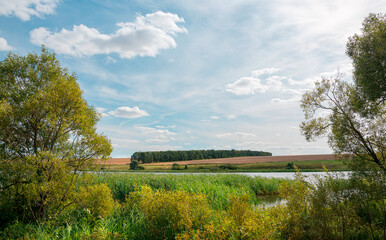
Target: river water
309 176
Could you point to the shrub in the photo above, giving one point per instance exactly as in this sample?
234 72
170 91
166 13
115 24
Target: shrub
290 165
336 208
227 167
170 212
240 221
176 166
97 200
134 165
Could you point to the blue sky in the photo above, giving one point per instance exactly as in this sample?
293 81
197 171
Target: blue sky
169 75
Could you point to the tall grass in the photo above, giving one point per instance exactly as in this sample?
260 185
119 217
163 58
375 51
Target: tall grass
204 203
217 187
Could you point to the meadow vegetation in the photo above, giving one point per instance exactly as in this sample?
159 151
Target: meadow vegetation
188 207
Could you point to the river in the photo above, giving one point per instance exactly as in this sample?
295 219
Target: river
289 175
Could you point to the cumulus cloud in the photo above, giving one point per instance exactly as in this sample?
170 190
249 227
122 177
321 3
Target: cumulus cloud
157 135
127 112
253 84
4 45
146 36
24 9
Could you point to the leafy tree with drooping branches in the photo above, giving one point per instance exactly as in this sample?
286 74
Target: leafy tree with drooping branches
354 116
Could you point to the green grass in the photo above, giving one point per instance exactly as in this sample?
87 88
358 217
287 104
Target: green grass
217 188
124 224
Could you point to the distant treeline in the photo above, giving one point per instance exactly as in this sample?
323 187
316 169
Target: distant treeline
172 156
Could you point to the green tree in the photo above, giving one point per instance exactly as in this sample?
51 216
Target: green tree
134 164
349 131
356 113
368 53
47 134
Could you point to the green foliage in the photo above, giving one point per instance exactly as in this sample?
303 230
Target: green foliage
368 53
96 199
349 129
355 120
176 166
335 208
227 167
134 164
290 165
46 130
216 187
172 156
169 213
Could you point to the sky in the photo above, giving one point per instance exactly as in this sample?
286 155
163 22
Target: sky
189 74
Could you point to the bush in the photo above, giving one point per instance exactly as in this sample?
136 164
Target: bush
170 212
336 208
227 167
134 165
290 165
176 166
97 200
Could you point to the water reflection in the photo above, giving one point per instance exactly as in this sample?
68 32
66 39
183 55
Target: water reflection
309 176
269 200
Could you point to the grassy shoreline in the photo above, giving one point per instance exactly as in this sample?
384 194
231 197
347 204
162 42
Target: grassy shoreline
217 188
304 166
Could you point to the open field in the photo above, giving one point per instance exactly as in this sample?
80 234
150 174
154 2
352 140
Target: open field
115 161
237 160
239 164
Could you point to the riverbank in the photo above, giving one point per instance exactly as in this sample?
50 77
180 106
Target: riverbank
270 166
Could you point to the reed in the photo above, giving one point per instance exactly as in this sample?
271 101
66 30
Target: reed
217 187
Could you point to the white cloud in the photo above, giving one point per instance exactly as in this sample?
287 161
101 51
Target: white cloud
231 116
156 140
4 45
24 9
253 84
236 135
264 71
171 126
146 36
127 112
295 98
157 135
321 24
246 86
149 130
214 117
308 83
101 111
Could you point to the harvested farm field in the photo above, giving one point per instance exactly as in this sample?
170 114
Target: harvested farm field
237 160
114 161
